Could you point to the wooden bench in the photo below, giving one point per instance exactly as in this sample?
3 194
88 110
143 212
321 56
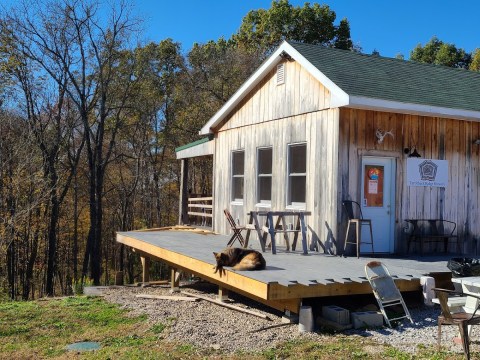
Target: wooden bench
431 230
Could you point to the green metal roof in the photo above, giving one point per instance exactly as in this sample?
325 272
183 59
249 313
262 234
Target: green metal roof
195 143
390 79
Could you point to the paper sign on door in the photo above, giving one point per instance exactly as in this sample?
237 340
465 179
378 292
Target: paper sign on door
372 186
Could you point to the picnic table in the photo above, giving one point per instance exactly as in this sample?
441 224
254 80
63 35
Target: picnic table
272 227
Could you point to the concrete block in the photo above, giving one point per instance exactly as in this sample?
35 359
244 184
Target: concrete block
336 314
364 319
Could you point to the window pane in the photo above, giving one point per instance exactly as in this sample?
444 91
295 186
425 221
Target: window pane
264 188
237 174
238 188
298 158
297 189
265 161
238 162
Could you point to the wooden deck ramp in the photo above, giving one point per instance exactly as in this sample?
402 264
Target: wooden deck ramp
289 276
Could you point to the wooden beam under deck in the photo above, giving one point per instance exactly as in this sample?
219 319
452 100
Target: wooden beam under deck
289 277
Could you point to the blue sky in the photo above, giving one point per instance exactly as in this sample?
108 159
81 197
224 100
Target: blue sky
391 27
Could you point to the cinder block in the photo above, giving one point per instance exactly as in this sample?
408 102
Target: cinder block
364 319
336 314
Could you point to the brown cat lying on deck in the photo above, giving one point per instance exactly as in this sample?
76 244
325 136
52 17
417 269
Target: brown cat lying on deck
239 259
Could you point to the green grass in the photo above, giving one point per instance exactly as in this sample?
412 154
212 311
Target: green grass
42 330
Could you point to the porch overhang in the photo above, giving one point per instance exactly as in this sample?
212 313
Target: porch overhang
202 147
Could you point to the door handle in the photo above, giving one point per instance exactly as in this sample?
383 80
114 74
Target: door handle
364 202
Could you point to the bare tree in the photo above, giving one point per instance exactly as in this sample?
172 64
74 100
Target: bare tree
80 53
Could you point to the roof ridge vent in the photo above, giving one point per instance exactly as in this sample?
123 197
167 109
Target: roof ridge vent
281 74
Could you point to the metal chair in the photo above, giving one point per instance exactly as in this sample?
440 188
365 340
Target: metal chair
358 221
461 319
385 290
237 229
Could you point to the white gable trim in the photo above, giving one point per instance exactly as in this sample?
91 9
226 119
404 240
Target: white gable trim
339 97
360 102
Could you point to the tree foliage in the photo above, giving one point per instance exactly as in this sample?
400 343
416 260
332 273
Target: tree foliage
475 64
264 29
87 143
439 53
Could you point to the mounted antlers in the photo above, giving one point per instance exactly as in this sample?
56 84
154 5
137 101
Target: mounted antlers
380 134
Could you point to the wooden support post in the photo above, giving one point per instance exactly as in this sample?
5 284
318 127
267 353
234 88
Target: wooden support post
145 269
183 201
119 278
222 294
174 280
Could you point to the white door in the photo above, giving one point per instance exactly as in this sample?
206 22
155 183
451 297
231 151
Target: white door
378 202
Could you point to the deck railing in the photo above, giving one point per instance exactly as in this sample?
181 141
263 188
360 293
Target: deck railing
201 208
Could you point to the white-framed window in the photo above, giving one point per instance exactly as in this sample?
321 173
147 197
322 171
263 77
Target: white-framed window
297 175
238 170
264 176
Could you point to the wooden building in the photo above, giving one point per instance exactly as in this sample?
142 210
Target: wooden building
314 126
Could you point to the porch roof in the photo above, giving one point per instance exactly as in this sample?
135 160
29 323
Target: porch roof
201 147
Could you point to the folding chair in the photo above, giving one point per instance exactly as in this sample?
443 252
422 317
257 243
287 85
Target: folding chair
385 290
237 229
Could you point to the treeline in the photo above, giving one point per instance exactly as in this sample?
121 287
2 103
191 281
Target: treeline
89 121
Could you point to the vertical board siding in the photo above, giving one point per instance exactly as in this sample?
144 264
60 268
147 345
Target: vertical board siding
276 116
314 128
300 94
435 138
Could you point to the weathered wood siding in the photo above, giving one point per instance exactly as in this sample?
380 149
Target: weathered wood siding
277 116
300 94
435 138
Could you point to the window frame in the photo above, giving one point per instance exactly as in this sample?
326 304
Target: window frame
233 176
263 202
289 202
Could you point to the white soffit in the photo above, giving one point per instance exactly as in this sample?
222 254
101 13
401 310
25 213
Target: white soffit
360 102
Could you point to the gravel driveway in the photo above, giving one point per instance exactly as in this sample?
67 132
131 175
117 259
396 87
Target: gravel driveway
208 325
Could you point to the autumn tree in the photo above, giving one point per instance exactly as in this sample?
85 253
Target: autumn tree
80 53
475 64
